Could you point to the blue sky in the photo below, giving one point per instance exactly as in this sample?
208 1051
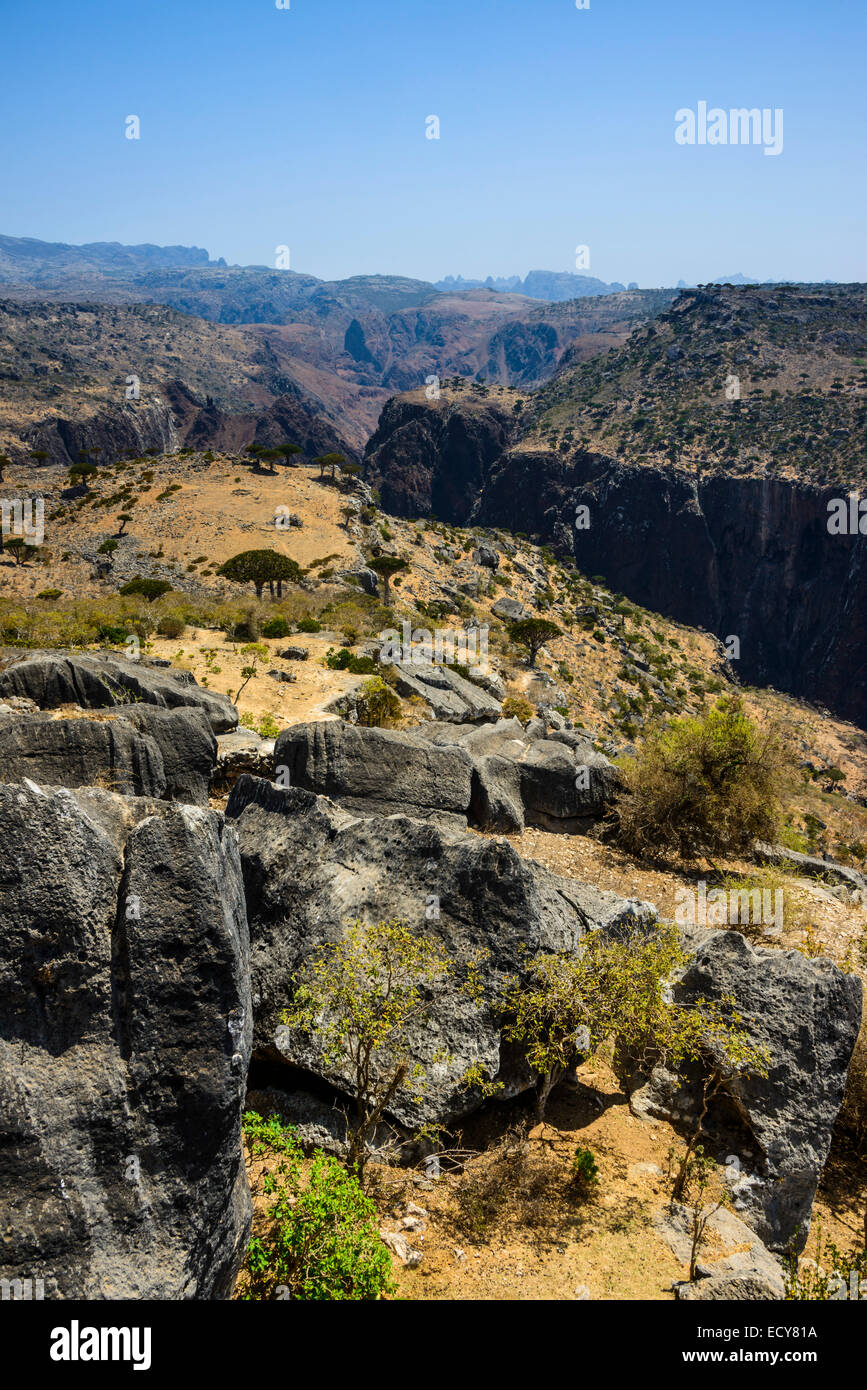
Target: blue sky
306 127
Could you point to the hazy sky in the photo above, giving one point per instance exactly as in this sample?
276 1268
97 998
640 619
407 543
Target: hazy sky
305 127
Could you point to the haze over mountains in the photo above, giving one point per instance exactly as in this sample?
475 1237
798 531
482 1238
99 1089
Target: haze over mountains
338 348
52 266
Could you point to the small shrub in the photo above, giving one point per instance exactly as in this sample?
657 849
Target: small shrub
111 633
309 625
276 627
321 1241
171 626
344 660
378 706
709 784
584 1169
516 707
266 727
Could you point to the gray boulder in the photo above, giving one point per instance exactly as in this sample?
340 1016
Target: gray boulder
497 802
486 555
310 868
124 1048
510 609
98 681
491 681
365 579
812 866
561 792
807 1013
519 779
81 752
490 772
187 745
732 1265
376 771
243 750
449 694
144 751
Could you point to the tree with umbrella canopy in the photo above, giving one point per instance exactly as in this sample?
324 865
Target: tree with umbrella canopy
261 567
386 566
533 633
330 461
148 588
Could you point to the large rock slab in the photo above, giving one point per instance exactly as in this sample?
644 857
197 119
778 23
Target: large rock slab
99 680
450 695
126 1031
732 1264
807 1013
495 774
143 751
509 609
376 771
812 866
187 744
81 752
555 784
311 868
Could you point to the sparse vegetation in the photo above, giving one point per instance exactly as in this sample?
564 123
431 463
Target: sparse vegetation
703 785
359 997
320 1239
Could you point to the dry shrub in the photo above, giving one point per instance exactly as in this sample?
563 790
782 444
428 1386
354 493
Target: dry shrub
708 784
520 1182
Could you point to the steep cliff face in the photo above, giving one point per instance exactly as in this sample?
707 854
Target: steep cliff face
744 557
177 419
433 456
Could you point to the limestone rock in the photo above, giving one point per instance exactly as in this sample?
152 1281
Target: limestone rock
99 680
124 1051
807 1013
310 868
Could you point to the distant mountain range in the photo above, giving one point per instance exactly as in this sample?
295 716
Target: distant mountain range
74 271
553 285
28 259
330 349
556 285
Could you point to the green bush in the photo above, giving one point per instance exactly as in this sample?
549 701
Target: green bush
584 1170
709 784
378 706
344 660
111 633
170 625
265 727
309 625
516 707
276 627
321 1241
148 588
